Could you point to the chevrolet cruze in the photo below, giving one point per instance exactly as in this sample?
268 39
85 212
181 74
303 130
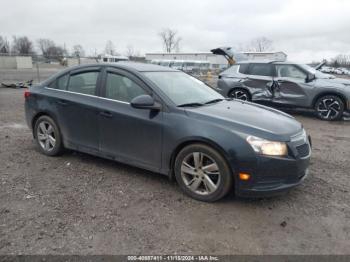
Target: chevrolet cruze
166 121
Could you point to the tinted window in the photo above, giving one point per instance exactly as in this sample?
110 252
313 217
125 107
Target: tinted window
84 83
260 69
290 71
60 83
232 70
243 68
121 88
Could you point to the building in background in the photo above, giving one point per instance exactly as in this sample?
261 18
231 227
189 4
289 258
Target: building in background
16 62
215 61
266 56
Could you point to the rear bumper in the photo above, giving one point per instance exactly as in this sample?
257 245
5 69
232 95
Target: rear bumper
28 114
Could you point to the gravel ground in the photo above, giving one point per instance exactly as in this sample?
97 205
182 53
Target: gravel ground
80 204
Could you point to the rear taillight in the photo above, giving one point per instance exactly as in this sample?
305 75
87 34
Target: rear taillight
26 94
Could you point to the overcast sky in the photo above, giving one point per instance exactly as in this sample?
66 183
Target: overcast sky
305 29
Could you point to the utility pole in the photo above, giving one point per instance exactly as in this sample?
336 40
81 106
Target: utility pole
37 70
1 46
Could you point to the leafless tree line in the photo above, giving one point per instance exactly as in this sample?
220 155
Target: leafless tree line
171 42
341 60
22 45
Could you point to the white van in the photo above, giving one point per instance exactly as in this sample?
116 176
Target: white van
112 58
178 64
166 63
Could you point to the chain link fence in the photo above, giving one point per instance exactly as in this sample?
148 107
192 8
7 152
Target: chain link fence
20 68
35 67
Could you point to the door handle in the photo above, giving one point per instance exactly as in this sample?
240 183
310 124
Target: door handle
62 102
106 114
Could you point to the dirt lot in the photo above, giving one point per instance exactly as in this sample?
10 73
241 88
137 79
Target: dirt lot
79 204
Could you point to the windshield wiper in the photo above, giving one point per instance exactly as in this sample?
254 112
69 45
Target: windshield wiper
191 104
214 101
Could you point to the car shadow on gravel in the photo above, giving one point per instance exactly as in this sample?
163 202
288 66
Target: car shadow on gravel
107 164
150 177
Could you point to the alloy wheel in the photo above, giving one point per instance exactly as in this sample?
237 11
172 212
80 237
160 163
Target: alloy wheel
328 108
240 94
46 136
200 173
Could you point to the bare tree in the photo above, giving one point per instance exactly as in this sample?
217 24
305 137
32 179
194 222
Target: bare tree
78 51
22 45
341 60
260 44
49 49
110 49
130 51
137 53
170 40
4 45
45 45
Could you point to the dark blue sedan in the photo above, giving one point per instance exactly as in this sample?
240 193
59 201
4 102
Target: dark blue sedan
166 121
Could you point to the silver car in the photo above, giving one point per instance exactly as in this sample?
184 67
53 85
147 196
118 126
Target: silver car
287 84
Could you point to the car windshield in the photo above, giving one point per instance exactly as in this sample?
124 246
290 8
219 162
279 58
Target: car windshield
183 89
312 70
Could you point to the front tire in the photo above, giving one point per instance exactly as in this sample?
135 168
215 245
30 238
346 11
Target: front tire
202 173
47 136
240 94
329 107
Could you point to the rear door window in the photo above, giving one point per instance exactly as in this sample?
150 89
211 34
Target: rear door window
260 69
60 82
83 83
243 68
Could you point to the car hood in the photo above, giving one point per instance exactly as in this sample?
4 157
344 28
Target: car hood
249 118
338 82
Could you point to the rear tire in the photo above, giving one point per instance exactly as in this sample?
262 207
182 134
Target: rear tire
202 173
48 136
240 94
329 107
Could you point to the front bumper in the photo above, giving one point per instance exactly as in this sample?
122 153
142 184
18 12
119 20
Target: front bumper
275 175
276 184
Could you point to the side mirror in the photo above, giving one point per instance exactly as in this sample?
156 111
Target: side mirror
145 102
310 77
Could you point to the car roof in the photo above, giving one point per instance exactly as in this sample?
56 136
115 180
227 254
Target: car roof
132 66
129 66
264 62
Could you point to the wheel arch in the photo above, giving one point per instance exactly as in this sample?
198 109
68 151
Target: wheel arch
240 88
330 93
40 114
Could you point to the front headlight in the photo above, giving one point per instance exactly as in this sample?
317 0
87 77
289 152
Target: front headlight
266 147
